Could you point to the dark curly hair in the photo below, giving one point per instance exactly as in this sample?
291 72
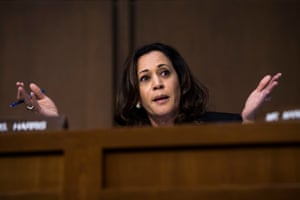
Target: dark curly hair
194 95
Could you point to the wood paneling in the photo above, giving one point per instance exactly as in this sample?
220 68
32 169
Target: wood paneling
225 161
31 172
230 45
201 167
65 47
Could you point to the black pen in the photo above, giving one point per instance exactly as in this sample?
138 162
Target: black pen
20 101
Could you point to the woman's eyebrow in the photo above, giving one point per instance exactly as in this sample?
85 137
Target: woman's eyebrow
162 65
158 66
143 71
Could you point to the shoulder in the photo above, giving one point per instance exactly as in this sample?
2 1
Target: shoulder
220 117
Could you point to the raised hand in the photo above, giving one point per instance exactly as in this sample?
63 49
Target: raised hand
36 101
259 96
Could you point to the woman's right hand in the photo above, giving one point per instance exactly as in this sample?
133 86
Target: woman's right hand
36 101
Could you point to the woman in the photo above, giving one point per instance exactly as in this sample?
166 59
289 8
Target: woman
157 89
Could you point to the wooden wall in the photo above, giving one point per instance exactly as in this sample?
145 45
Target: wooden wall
64 46
226 161
75 49
211 162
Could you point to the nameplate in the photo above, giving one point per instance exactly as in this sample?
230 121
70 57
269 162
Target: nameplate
283 115
33 124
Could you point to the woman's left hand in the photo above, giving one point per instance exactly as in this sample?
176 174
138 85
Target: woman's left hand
258 96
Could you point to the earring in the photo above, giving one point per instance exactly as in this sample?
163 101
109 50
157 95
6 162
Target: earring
138 105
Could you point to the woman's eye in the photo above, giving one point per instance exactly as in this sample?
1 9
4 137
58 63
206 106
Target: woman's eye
144 78
165 73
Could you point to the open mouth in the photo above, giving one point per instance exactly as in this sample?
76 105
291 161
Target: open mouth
161 99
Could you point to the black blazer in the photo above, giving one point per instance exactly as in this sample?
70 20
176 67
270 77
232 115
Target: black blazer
211 117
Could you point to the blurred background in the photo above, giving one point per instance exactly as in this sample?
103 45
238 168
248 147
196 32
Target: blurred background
75 49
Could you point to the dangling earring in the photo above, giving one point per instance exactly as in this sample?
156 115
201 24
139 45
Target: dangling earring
138 105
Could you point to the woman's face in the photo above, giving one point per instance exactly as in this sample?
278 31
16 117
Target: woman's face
159 87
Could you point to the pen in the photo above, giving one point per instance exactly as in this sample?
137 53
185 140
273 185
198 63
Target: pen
14 104
20 101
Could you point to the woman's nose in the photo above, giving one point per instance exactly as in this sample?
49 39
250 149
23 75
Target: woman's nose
157 83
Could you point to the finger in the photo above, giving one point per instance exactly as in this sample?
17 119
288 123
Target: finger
19 84
276 77
36 90
263 83
24 95
34 102
273 82
270 87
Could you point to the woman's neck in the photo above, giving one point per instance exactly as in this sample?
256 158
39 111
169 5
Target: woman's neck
162 120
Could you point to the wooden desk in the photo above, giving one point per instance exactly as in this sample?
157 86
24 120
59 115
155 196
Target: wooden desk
223 161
